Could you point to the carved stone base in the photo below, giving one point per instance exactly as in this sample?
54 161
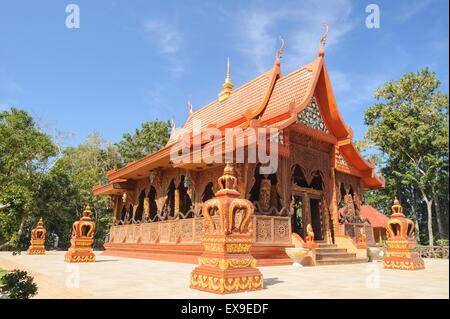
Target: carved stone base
226 281
79 256
226 265
37 247
80 251
402 255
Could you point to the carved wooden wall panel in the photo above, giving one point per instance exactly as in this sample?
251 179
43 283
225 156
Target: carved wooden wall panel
267 229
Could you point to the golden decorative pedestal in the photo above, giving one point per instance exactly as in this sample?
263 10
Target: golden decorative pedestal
401 244
226 266
37 247
37 241
82 239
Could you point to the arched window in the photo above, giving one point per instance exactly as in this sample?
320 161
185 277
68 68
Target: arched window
153 206
130 212
123 213
185 199
208 192
298 177
169 205
140 209
343 193
317 182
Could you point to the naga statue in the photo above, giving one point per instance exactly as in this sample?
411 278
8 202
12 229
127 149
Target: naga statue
37 241
226 265
82 239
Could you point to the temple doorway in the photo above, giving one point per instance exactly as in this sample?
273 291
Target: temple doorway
307 200
316 217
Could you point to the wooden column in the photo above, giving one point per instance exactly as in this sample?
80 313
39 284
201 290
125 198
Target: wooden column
177 203
334 204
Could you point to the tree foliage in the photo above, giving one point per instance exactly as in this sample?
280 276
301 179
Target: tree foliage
409 126
24 157
151 137
17 284
38 181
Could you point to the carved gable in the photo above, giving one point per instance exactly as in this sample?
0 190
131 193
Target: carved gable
311 117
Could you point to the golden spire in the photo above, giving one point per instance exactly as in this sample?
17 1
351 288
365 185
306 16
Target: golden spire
227 85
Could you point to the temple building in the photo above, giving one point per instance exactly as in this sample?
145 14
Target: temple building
320 179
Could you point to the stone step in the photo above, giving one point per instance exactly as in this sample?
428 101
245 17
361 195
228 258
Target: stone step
327 245
331 250
341 261
328 256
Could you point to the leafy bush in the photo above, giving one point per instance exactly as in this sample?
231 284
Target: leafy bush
18 285
442 242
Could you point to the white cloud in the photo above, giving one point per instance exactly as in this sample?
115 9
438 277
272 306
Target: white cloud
168 39
259 28
411 9
340 81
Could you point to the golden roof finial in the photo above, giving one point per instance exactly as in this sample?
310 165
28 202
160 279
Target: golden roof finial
323 40
227 85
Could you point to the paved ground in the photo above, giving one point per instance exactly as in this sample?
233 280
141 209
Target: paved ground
115 277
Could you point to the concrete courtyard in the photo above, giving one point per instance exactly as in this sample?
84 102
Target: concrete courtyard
116 277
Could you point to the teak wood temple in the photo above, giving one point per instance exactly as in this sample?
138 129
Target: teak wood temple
158 204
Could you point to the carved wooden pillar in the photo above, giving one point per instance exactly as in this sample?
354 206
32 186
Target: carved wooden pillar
306 211
117 205
177 203
334 204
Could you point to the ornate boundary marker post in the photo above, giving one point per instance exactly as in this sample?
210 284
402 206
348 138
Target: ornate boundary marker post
37 241
401 243
226 265
82 238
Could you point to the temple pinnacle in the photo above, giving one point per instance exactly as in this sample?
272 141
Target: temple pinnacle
227 85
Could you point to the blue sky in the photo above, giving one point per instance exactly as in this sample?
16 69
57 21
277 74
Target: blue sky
135 61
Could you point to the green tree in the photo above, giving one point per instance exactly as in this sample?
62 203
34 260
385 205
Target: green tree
151 137
25 153
68 188
409 125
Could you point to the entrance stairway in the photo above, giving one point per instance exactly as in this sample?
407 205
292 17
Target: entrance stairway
330 254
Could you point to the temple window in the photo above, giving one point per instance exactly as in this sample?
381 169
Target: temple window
140 209
153 208
298 177
311 117
185 199
169 205
264 192
130 213
123 213
317 182
208 193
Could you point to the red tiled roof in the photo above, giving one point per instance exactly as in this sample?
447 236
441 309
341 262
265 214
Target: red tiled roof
376 218
274 100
